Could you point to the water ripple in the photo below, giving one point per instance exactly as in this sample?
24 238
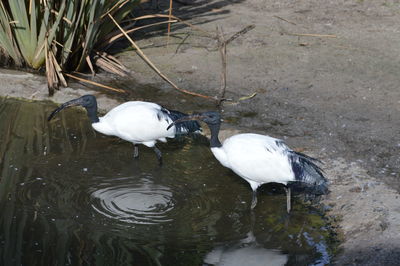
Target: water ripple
139 202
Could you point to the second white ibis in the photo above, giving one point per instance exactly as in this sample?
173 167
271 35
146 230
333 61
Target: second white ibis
261 159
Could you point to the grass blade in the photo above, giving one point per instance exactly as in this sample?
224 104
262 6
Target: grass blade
7 40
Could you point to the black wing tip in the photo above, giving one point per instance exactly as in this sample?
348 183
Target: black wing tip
305 156
321 189
184 127
309 173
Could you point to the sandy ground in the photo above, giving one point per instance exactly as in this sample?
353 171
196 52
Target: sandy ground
334 98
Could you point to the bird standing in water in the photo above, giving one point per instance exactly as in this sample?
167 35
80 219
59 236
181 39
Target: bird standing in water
136 121
261 159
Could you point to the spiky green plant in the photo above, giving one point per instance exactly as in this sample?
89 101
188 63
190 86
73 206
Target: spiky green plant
58 35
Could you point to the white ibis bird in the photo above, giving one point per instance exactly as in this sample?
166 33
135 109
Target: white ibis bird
261 159
137 122
245 252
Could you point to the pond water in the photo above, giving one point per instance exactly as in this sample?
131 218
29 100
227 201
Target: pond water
71 196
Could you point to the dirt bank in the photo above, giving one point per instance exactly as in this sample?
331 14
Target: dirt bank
335 98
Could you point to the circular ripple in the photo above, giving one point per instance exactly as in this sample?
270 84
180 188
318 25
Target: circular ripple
140 203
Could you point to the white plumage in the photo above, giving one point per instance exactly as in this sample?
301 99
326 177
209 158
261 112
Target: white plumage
261 159
136 121
256 158
246 252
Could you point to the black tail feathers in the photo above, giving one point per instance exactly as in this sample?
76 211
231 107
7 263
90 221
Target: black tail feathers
184 127
308 175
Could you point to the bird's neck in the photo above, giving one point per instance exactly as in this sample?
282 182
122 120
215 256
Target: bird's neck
214 141
92 113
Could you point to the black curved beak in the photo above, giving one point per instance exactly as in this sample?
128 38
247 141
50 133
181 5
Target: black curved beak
74 102
185 118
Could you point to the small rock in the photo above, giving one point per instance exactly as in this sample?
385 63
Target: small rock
355 189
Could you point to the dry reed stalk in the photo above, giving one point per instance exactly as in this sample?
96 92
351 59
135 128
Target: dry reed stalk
222 50
169 19
117 5
174 17
144 57
113 61
120 35
240 33
222 43
50 73
285 20
95 83
89 62
312 35
110 64
58 70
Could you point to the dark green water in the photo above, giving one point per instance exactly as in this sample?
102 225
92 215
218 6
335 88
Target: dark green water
71 196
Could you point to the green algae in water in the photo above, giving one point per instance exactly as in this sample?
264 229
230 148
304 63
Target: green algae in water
72 196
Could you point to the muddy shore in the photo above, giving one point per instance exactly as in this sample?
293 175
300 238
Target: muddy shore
336 98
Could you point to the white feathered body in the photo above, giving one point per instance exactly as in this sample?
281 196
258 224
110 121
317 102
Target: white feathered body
137 122
256 158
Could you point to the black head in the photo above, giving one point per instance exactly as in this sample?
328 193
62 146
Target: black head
87 101
210 118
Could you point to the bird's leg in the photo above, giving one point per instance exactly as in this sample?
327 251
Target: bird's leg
135 151
287 190
158 154
252 220
254 199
